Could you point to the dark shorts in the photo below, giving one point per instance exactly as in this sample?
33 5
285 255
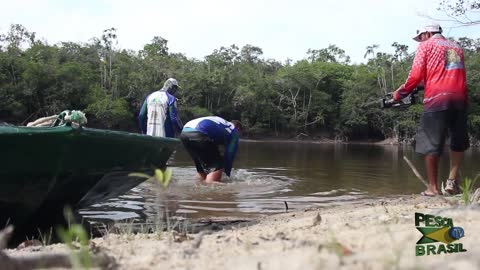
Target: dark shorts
203 150
434 128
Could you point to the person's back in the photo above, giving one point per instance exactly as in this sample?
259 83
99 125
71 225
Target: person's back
439 62
157 106
202 138
215 127
158 115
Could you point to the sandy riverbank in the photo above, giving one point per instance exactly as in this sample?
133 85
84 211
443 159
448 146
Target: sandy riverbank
379 234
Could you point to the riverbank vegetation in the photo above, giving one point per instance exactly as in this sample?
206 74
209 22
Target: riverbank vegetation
322 96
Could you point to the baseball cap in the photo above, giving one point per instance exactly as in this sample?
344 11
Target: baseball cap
432 28
171 81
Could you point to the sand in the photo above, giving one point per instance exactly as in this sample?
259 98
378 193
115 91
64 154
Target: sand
379 234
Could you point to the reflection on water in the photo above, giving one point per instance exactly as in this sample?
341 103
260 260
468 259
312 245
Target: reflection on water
268 174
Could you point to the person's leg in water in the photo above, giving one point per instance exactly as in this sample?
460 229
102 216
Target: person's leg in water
201 176
193 142
431 162
216 162
214 177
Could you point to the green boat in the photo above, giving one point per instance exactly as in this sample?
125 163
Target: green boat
44 169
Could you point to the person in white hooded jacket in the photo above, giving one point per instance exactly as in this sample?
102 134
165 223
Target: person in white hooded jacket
158 115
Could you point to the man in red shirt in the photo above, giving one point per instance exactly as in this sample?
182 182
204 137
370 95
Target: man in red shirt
439 65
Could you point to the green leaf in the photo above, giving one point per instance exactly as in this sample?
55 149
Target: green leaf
159 175
167 176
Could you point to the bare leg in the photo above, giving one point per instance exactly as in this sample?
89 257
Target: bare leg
215 176
431 161
201 176
455 161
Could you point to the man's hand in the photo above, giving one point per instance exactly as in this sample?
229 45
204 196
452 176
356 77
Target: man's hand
397 95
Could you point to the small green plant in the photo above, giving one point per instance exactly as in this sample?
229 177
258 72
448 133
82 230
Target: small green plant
162 176
467 189
45 237
127 228
75 233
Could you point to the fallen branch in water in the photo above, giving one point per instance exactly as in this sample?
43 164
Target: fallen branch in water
45 260
419 176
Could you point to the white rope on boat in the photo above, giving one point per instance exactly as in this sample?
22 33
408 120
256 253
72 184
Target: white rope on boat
43 122
76 118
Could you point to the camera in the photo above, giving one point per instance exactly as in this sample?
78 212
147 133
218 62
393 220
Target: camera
389 102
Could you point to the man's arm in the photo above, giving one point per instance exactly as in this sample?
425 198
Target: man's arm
416 75
174 118
231 147
142 118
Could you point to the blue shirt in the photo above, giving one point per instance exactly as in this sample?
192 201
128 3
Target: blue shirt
221 132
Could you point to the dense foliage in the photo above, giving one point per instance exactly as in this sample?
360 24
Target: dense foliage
323 95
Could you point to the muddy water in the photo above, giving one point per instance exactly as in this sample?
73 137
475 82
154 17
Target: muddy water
269 176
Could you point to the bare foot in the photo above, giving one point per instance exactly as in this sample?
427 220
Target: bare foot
208 181
429 193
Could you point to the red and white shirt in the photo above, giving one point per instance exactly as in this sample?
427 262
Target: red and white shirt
439 63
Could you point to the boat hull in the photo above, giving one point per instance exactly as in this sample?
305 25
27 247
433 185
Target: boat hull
42 170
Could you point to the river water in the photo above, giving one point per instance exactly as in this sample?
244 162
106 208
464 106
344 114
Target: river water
268 176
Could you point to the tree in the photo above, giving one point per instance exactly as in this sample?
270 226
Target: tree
321 95
401 51
461 12
371 50
251 54
17 36
109 36
158 46
332 54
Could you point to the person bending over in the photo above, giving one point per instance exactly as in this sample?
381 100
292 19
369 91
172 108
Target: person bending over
212 143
